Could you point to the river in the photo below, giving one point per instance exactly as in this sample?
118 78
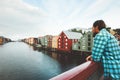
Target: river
20 61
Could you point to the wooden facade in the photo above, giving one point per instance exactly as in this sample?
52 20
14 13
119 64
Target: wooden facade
39 40
42 40
35 41
31 40
46 41
49 41
85 43
4 40
67 39
55 42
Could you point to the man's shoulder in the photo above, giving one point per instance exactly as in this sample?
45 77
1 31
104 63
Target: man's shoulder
103 35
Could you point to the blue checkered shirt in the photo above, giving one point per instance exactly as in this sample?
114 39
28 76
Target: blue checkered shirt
107 50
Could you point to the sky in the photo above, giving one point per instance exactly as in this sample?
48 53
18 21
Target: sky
35 18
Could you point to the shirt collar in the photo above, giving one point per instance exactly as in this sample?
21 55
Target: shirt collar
103 30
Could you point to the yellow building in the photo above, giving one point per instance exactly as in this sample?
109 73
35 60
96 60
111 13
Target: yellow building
31 40
1 40
55 42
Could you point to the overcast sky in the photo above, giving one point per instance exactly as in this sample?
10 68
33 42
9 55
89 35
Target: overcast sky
27 18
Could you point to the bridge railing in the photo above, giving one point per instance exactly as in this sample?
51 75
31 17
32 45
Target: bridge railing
86 71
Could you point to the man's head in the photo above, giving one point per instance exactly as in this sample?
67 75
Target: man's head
97 26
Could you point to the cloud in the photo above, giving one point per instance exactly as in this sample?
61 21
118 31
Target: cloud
113 18
41 17
18 17
17 14
86 14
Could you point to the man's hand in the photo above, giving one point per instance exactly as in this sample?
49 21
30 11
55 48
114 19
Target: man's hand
89 58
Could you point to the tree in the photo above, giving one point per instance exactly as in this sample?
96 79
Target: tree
75 30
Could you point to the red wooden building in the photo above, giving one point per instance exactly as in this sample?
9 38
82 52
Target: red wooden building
67 39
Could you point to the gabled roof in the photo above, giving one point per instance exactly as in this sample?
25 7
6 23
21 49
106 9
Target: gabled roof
73 35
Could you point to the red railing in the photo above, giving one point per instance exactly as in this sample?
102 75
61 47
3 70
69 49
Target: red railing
85 71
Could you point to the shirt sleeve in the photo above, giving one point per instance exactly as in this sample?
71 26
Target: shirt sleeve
98 47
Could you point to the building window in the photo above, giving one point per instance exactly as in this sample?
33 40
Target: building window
59 39
66 40
89 39
78 47
64 36
83 38
89 44
83 41
66 43
89 48
59 47
66 47
89 35
59 43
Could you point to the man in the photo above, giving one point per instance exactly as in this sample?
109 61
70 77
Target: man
106 50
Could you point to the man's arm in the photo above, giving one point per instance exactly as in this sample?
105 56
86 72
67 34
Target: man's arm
98 47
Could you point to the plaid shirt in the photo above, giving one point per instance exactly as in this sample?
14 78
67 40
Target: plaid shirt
107 50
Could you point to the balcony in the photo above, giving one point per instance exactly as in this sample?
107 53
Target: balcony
86 71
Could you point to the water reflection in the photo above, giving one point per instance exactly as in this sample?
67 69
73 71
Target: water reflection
66 60
19 61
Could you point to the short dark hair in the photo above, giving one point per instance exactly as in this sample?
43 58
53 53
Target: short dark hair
100 23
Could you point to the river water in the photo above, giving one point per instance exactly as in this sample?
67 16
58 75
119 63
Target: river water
20 61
